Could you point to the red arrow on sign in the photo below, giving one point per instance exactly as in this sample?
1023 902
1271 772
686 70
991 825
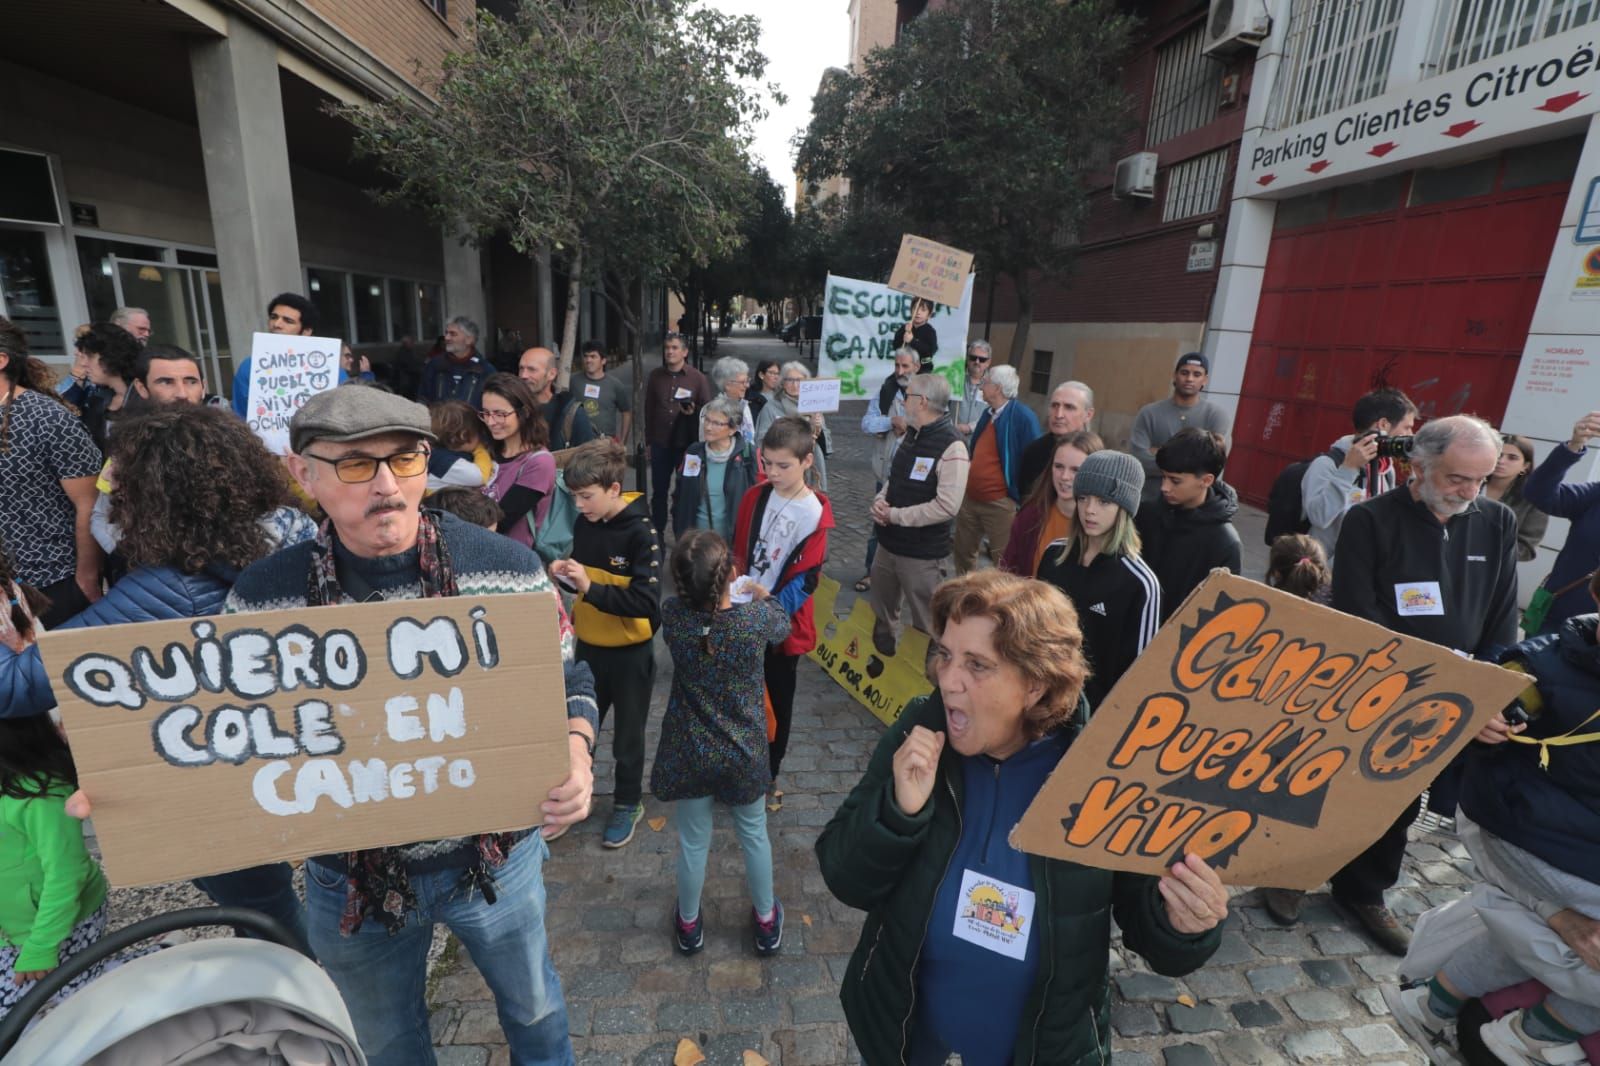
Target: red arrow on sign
1266 179
1381 150
1319 166
1461 129
1562 102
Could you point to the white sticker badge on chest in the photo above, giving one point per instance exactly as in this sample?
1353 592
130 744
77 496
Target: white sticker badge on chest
1418 597
921 468
691 466
994 915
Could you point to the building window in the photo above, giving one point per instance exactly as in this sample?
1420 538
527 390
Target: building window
1474 30
370 305
1194 187
327 289
1337 54
1039 378
437 7
1186 92
430 302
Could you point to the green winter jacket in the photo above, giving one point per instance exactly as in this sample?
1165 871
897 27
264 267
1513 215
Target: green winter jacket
877 859
48 882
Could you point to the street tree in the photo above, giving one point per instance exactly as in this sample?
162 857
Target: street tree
611 134
984 127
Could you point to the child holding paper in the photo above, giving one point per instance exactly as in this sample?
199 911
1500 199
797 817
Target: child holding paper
713 737
52 894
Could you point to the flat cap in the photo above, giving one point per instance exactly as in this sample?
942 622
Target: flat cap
354 412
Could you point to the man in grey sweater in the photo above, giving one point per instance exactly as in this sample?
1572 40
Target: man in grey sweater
1339 479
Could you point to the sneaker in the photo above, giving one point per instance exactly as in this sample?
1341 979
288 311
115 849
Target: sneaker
619 830
1381 925
1433 1034
691 936
1283 904
769 935
1506 1039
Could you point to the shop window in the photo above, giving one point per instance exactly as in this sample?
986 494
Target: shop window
1302 211
369 303
27 188
1542 164
1370 197
94 261
430 304
326 289
1435 185
27 292
402 309
197 259
1043 366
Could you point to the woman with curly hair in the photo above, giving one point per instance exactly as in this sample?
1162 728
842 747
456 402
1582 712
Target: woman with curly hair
920 845
198 498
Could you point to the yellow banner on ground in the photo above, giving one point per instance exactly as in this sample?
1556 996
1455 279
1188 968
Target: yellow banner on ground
883 685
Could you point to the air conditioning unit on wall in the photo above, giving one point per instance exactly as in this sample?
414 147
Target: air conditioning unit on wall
1136 176
1234 25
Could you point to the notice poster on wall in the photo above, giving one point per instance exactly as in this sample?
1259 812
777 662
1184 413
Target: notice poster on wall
1273 737
1558 382
861 324
285 372
287 734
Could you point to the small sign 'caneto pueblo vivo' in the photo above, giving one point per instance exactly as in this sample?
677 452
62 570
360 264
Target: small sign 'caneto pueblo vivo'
214 744
1273 737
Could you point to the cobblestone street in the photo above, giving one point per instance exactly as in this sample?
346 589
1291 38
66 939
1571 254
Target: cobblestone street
1307 994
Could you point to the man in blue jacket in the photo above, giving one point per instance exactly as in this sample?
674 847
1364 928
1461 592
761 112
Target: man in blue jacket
995 485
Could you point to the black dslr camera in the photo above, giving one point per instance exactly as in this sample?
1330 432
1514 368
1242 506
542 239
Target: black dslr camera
1394 447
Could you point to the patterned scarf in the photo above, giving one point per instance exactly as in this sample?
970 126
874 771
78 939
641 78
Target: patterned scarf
378 884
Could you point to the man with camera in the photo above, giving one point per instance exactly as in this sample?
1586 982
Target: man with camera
1436 560
1355 469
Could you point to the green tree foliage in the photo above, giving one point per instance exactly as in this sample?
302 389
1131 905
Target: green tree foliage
982 127
609 132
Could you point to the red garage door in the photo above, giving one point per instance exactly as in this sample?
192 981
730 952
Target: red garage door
1424 282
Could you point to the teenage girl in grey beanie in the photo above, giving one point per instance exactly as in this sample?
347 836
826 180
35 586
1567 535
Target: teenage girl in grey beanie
1117 595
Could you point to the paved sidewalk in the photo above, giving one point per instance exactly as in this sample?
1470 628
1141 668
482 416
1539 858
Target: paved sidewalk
1270 995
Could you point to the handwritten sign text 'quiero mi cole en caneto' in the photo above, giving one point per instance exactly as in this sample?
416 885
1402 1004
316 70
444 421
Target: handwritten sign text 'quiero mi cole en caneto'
931 270
1271 736
285 372
213 744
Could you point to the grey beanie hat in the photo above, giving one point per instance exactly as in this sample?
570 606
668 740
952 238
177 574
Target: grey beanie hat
1114 476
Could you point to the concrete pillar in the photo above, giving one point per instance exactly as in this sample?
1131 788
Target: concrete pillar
240 107
463 288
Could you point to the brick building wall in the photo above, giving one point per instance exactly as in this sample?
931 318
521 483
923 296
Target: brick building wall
407 36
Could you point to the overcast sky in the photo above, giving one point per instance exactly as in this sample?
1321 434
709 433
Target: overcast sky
801 40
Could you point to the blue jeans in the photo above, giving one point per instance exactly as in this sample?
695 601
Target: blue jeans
268 889
383 978
694 841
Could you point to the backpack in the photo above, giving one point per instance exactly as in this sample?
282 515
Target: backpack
553 539
1286 505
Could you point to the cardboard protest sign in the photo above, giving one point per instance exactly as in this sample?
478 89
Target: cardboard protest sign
285 372
881 684
213 744
1271 736
861 322
931 270
819 396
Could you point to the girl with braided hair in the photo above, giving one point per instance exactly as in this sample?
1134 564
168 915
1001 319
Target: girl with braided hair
714 735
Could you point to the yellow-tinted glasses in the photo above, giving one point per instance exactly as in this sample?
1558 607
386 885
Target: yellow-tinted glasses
358 469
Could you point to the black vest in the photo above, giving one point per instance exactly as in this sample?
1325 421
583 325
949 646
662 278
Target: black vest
918 542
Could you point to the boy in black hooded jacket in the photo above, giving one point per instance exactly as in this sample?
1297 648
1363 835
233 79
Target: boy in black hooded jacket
1189 531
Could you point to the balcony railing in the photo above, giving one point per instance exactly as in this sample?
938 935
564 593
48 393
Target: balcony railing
1337 54
1474 30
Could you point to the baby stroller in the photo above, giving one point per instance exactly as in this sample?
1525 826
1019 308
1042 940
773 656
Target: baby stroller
223 1002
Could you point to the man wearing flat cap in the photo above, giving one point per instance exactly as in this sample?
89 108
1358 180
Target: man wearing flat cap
362 454
1156 423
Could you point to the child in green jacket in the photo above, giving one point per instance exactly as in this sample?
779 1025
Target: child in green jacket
52 894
